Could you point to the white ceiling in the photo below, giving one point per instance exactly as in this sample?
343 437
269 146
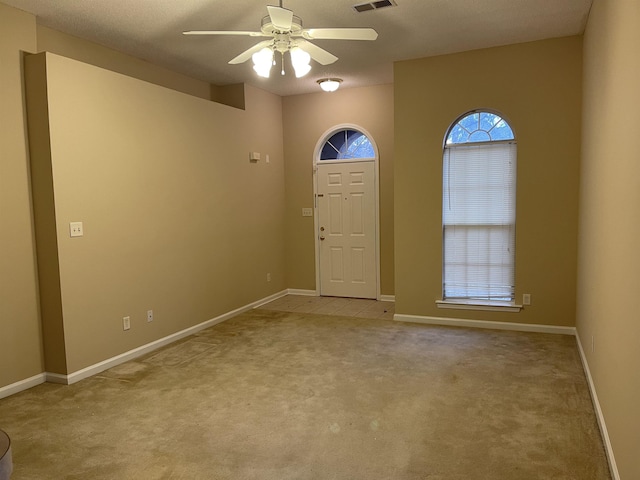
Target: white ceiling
151 30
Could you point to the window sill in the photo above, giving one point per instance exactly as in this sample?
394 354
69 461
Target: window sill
479 305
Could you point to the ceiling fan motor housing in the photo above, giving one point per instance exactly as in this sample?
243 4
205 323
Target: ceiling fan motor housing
282 42
268 29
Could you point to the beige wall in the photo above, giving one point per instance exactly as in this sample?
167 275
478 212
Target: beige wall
537 87
306 119
53 41
176 218
609 259
60 43
20 346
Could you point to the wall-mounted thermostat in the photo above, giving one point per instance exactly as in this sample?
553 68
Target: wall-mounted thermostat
254 156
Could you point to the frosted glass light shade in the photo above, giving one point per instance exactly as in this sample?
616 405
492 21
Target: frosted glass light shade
302 71
329 84
300 61
262 62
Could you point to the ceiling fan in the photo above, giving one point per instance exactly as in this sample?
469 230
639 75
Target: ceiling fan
285 34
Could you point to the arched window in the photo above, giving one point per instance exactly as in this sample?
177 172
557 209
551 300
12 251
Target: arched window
479 209
347 144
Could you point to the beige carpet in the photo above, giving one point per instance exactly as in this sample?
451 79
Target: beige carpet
282 395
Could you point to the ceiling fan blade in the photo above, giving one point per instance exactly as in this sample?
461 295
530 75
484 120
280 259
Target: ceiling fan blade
340 34
224 32
281 18
318 54
246 55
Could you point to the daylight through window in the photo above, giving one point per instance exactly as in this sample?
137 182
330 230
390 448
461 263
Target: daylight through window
479 209
347 144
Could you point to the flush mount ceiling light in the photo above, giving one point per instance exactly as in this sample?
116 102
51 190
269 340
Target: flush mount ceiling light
285 34
329 84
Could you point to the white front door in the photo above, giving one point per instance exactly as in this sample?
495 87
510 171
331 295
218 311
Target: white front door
347 229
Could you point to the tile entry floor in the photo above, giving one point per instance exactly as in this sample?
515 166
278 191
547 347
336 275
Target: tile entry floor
348 307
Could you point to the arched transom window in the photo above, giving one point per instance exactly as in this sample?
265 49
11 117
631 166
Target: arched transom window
345 144
480 127
479 209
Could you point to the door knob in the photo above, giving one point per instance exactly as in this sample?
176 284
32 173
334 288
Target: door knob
321 237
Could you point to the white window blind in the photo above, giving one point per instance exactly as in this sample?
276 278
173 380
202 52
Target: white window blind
478 218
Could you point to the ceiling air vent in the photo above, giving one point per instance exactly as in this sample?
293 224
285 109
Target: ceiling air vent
364 7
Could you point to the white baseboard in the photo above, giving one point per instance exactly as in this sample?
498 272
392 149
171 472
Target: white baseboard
527 327
459 322
268 299
613 467
22 385
56 378
149 347
74 377
306 293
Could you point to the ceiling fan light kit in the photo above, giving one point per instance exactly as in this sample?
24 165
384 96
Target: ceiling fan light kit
300 61
262 61
287 35
329 84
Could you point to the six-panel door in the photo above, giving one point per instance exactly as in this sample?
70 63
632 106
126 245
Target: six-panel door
347 236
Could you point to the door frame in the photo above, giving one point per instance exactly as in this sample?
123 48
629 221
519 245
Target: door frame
376 192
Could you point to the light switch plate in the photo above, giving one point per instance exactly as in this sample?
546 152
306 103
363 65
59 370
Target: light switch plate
307 212
76 229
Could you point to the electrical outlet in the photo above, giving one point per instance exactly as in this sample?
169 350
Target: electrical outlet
149 315
268 277
126 323
526 299
76 229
